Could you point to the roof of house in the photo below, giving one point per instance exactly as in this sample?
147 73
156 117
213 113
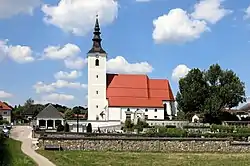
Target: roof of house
4 106
50 112
128 90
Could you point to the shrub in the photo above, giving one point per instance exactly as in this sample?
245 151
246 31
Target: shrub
60 128
140 125
4 122
66 127
243 130
129 125
222 128
89 128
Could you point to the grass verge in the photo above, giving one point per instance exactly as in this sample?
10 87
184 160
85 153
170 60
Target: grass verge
11 154
86 158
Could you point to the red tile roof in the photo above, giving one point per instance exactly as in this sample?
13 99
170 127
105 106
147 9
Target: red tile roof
4 106
127 90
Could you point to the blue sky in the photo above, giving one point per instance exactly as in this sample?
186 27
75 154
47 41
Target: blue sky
43 44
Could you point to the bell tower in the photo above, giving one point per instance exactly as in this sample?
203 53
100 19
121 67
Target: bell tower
96 76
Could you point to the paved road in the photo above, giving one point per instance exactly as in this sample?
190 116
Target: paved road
23 134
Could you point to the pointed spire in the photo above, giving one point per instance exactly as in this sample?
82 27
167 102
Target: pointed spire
97 47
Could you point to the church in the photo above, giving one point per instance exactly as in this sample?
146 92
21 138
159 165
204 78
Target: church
115 98
120 96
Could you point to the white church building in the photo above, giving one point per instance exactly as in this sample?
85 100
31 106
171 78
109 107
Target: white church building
114 98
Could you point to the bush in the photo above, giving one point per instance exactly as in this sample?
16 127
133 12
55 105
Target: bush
89 128
221 128
140 125
166 132
243 130
4 122
66 127
60 128
129 125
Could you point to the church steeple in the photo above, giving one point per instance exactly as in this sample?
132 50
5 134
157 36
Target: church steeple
97 47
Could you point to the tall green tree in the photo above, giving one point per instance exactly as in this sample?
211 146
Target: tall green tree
208 92
69 114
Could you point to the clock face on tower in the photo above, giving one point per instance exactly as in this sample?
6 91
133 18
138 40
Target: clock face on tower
97 56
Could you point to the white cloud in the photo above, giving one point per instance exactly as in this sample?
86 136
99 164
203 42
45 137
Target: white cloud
75 63
9 8
18 53
67 75
42 87
179 72
121 65
61 52
78 16
247 13
210 10
177 26
4 94
55 98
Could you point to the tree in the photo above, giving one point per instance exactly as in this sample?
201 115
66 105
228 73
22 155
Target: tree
69 114
66 127
89 128
209 92
29 103
128 124
180 116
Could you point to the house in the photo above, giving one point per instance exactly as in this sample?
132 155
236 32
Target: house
49 118
5 111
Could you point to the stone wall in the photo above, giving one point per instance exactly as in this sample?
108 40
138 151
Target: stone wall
147 144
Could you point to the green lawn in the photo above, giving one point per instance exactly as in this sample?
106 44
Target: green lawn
82 158
11 154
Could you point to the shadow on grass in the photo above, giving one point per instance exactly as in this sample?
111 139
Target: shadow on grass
5 157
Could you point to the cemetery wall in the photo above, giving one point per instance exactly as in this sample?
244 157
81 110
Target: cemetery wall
146 144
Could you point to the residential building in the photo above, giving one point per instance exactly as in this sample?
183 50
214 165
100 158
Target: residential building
5 111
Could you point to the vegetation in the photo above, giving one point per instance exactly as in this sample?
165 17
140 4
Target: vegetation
11 154
89 128
209 92
33 109
130 126
4 122
79 158
66 127
60 128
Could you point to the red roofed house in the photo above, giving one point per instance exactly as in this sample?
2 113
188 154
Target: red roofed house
117 97
5 112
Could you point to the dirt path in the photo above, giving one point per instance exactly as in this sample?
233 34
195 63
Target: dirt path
23 134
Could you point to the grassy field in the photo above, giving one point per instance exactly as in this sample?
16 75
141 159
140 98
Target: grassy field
11 154
82 158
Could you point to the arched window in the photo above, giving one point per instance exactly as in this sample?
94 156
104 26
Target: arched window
128 109
97 62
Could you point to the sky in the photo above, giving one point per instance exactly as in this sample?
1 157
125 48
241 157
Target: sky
44 43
